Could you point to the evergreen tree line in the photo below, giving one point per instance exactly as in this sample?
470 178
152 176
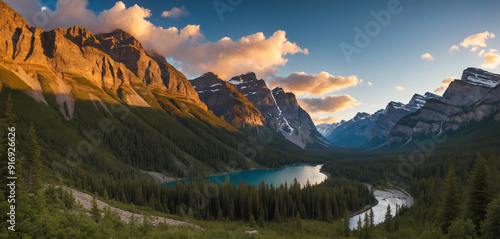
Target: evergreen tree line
479 215
208 200
455 191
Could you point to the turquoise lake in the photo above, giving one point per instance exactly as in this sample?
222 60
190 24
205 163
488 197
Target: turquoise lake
302 172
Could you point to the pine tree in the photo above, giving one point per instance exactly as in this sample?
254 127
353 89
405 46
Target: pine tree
105 196
346 224
94 211
366 221
491 226
388 215
372 218
478 197
298 221
360 224
32 166
450 204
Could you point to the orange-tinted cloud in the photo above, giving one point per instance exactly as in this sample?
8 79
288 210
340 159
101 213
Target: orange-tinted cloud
477 40
328 104
454 48
444 85
317 84
326 120
399 88
228 58
491 59
187 46
427 56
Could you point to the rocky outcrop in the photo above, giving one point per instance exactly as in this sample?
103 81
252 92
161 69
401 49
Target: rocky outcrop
226 101
292 121
461 101
151 67
261 97
298 119
115 61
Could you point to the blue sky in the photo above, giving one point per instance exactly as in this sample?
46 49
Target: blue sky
392 58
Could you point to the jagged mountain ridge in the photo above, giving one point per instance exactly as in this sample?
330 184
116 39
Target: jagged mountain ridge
368 131
69 80
468 100
298 119
325 129
280 110
226 101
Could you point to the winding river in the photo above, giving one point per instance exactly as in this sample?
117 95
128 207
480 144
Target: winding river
388 197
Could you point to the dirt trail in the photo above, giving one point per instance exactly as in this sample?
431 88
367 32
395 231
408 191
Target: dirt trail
86 201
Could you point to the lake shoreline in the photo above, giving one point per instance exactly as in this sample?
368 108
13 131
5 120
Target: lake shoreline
165 179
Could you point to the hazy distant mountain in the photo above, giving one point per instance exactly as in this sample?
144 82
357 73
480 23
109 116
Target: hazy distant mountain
469 100
368 131
325 129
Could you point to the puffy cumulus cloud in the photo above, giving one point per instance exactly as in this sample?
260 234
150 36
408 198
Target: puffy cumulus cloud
175 12
427 56
187 46
317 84
399 88
328 104
473 49
454 48
325 120
369 83
228 58
477 40
444 85
491 59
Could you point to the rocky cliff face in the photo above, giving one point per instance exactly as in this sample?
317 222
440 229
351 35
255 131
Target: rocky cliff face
291 120
115 61
226 101
151 67
298 119
257 92
460 99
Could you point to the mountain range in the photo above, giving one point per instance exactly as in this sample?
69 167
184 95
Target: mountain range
467 101
71 83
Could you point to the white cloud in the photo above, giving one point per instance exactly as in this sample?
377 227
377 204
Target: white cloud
480 53
477 40
399 88
328 104
491 59
369 83
317 84
444 85
473 49
454 48
187 45
427 56
175 12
